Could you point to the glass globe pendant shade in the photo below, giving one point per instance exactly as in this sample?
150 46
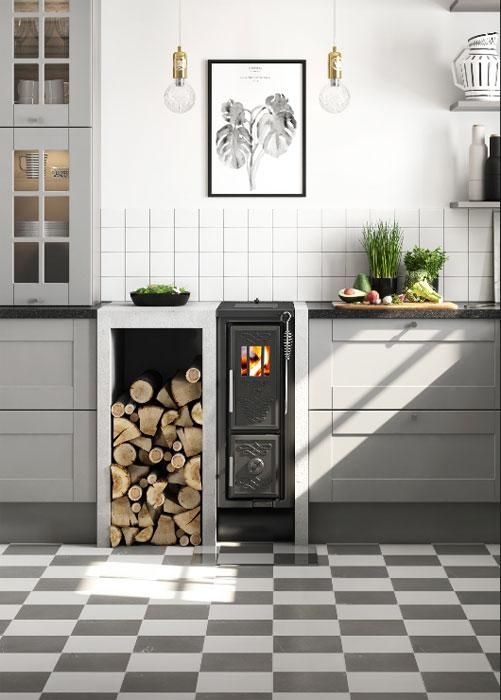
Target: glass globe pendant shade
179 96
334 97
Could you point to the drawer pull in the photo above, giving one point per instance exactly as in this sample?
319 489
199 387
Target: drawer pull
412 324
414 416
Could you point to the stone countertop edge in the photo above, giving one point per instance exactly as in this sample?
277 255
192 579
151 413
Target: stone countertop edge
46 312
474 311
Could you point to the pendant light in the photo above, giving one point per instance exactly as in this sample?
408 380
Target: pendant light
179 96
335 96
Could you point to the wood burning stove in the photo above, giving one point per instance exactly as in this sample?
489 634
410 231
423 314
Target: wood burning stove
255 421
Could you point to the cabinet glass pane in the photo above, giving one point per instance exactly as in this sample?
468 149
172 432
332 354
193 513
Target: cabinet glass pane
26 170
57 5
26 217
57 171
26 263
57 76
57 32
57 217
25 5
57 263
26 37
26 84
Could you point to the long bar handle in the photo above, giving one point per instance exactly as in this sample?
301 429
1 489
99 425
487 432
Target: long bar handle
231 472
230 391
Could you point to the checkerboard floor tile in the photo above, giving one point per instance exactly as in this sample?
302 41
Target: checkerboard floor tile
250 622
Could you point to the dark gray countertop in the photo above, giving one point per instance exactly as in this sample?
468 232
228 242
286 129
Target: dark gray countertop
72 312
465 310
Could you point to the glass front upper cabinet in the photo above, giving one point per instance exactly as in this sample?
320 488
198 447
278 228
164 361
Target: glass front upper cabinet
48 44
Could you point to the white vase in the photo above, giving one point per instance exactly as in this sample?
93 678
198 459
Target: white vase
476 69
476 164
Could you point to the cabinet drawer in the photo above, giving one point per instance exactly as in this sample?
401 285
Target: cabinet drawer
422 330
48 456
47 364
407 456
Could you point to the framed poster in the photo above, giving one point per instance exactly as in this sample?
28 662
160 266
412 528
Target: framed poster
257 128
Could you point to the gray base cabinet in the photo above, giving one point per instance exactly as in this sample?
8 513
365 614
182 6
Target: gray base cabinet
404 411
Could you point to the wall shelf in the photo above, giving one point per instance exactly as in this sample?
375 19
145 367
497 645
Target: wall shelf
475 205
475 106
475 6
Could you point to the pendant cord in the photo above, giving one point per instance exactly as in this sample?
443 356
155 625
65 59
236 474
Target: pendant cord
334 22
180 23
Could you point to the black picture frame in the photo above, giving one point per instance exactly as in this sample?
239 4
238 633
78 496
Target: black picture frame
211 65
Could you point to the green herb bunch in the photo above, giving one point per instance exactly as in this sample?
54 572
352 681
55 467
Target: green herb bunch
430 262
161 289
383 244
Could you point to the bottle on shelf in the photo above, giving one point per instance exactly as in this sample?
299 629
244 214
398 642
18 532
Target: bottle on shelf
476 164
493 170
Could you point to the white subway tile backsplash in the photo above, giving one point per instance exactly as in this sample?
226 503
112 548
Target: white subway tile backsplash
407 218
211 264
260 265
334 239
309 218
284 288
236 240
309 239
112 264
431 218
285 218
113 289
481 240
186 240
260 239
357 218
333 264
455 288
456 265
190 284
309 264
112 240
137 218
211 288
162 218
236 289
162 265
137 240
356 263
481 289
211 239
260 218
285 239
284 264
235 265
112 218
411 238
386 215
354 240
211 218
480 217
431 237
137 265
261 288
481 265
186 218
334 218
309 288
236 218
162 240
186 264
455 239
331 287
455 217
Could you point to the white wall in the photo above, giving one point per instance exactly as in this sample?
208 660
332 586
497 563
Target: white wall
397 145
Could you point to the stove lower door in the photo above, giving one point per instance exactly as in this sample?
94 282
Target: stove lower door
254 467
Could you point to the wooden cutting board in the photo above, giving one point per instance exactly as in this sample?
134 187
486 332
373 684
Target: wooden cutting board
423 306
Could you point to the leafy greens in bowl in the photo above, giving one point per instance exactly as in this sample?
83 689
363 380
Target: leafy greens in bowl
160 295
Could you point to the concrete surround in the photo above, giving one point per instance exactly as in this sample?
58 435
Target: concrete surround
197 316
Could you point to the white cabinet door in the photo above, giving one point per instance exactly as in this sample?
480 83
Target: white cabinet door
46 62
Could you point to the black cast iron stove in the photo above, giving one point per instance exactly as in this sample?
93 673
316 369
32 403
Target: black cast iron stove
255 421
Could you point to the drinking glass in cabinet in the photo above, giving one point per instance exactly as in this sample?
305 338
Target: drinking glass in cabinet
26 263
57 6
57 265
26 217
57 217
57 171
26 170
26 37
25 5
57 44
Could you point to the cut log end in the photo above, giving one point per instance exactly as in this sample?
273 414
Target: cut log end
115 536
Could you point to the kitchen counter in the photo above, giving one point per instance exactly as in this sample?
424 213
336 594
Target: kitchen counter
465 310
71 312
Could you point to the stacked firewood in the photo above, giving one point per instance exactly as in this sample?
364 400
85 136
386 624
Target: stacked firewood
157 450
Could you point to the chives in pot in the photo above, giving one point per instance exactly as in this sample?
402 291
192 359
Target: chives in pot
383 244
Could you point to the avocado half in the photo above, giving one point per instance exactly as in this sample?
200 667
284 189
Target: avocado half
351 298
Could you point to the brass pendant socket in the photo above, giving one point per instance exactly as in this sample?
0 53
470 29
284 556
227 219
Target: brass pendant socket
335 70
179 64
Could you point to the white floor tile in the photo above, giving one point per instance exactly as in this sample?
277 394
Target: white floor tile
362 584
164 662
40 628
14 663
241 612
452 628
309 662
86 644
453 663
481 612
238 644
490 644
215 682
368 612
303 598
475 584
416 572
179 628
385 683
395 644
92 682
113 612
426 598
305 628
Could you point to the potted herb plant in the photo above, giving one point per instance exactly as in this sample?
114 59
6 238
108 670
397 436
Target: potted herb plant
424 264
160 295
383 244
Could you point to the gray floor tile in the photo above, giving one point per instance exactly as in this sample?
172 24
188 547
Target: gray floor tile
13 597
320 682
22 571
478 597
494 660
246 548
472 571
307 645
486 627
108 662
304 612
432 612
445 645
234 696
49 612
116 600
365 598
249 598
177 612
77 560
299 560
461 549
159 682
380 662
167 644
383 628
357 549
238 662
109 628
32 645
249 571
359 572
32 549
460 682
240 627
411 560
26 682
78 696
421 584
3 625
299 584
392 696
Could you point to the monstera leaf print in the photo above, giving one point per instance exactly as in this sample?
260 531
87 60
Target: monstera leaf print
234 141
277 126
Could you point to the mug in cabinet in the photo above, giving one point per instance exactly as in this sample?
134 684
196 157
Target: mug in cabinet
27 92
54 92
